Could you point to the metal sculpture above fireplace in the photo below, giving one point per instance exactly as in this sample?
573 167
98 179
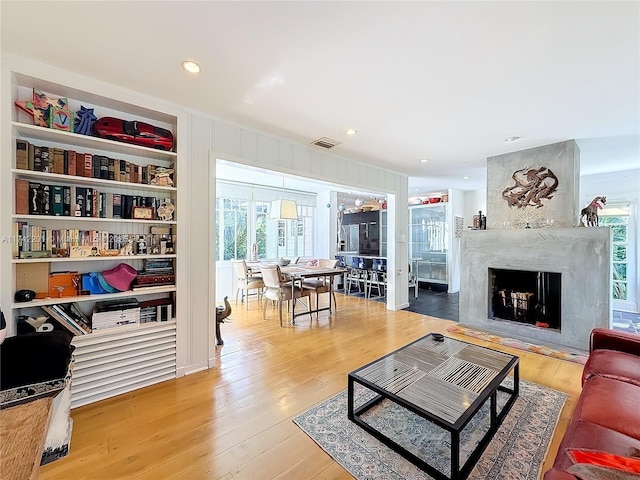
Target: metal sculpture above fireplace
530 187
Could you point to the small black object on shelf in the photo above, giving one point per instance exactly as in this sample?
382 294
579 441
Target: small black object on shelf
438 337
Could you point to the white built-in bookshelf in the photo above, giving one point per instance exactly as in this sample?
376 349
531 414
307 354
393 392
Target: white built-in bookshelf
119 359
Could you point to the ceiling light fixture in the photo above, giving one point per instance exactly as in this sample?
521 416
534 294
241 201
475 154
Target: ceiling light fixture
424 160
465 178
191 67
511 139
283 209
351 131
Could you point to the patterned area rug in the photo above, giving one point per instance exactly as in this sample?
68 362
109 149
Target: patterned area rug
516 452
511 342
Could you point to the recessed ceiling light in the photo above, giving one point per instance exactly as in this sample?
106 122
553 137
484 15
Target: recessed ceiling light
465 178
351 131
424 160
191 67
511 139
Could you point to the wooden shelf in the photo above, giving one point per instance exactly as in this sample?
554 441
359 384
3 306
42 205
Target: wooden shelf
94 298
52 218
87 141
76 180
89 259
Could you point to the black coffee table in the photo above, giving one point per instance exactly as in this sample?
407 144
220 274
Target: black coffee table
445 382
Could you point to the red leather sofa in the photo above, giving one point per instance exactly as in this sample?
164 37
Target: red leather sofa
607 415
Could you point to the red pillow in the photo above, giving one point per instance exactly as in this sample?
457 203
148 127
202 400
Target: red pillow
604 459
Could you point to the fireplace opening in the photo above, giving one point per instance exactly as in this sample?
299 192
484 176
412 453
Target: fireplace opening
526 297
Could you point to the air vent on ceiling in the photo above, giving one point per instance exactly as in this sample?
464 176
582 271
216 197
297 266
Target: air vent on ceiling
325 142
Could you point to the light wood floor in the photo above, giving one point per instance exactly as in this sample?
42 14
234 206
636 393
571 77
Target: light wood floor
234 421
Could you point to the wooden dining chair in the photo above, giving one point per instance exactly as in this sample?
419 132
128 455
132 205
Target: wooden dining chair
278 289
321 284
245 281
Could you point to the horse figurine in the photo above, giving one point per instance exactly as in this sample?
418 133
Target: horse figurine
591 211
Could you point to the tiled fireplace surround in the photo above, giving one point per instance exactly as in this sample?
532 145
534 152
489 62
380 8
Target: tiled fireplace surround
581 255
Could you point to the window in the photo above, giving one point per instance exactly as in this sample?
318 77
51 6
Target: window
237 231
617 217
231 228
294 238
260 220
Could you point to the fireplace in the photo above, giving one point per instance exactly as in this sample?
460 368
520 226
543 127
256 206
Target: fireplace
523 296
580 259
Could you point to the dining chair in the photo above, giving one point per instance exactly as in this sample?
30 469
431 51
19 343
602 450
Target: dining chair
321 284
278 289
246 281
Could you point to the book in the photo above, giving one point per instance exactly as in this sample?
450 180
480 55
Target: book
69 318
66 201
80 201
63 320
94 202
78 315
37 159
112 169
22 196
22 154
57 163
88 202
97 166
102 205
37 200
57 200
72 168
30 158
117 205
103 166
123 171
88 165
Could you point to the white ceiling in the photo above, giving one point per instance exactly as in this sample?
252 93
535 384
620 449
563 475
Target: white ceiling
446 81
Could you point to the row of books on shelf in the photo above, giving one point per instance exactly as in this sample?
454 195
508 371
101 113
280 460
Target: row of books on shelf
69 162
110 314
35 198
35 241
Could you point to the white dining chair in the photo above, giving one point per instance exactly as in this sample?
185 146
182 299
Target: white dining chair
278 288
245 281
321 284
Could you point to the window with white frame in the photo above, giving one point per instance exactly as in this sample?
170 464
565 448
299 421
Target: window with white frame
617 217
242 223
294 237
231 228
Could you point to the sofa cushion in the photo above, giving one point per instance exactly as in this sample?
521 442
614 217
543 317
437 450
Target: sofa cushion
599 393
605 459
585 471
613 364
587 435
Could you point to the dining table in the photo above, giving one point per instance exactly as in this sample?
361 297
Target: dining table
296 275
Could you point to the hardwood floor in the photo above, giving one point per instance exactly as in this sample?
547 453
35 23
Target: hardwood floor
234 421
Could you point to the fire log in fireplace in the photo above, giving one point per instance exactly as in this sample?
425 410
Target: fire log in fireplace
526 297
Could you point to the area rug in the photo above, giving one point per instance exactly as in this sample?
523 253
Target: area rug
516 452
511 342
